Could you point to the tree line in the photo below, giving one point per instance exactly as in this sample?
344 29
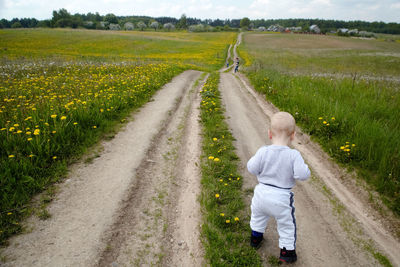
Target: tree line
62 18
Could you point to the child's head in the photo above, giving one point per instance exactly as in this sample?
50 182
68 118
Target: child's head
282 127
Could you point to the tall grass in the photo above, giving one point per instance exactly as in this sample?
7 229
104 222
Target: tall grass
355 120
225 229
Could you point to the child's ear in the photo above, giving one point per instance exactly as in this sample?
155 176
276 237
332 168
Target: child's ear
292 136
270 134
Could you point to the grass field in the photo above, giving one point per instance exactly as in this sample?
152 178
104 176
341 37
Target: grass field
203 50
343 91
61 90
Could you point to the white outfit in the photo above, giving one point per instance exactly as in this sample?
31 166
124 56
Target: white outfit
276 168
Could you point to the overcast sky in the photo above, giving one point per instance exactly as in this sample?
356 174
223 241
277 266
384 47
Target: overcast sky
367 10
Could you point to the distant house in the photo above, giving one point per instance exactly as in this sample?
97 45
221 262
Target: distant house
353 32
314 28
293 29
276 28
114 27
261 29
129 26
343 30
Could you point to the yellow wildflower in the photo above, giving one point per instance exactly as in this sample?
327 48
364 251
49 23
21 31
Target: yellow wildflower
11 156
217 195
216 159
324 122
53 116
29 139
63 117
228 221
215 139
320 118
36 132
236 219
222 214
210 157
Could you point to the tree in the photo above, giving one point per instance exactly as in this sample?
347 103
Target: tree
111 18
16 25
154 25
169 26
182 23
245 23
141 25
63 15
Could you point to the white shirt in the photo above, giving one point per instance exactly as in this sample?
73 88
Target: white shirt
278 166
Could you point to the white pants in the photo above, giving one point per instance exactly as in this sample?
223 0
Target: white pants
270 201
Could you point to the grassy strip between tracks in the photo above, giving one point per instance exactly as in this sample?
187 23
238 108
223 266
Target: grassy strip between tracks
225 228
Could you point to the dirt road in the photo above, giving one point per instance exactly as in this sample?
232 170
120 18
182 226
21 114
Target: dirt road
123 208
136 203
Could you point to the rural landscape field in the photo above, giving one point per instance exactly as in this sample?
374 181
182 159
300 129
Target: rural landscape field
129 148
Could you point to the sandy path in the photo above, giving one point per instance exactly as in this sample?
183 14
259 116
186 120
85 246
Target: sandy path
324 238
90 223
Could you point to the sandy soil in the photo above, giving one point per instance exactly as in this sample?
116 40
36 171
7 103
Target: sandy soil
136 204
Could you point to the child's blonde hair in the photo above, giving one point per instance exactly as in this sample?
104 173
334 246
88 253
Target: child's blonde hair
282 123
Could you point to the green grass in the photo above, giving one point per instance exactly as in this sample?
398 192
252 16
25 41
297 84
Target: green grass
338 112
201 50
225 228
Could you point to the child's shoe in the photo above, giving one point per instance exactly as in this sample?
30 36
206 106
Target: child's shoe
255 240
288 255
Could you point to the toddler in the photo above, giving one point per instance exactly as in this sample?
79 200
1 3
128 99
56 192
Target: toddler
277 167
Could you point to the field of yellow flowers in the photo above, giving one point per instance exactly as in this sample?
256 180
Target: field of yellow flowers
61 90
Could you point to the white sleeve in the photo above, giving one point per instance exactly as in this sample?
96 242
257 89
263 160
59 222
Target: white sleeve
254 164
300 169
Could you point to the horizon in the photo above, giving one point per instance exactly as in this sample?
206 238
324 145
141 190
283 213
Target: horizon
340 10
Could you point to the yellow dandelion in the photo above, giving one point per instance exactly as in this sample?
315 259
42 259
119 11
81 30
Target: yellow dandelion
320 118
210 157
63 117
94 127
11 156
342 147
333 118
238 178
217 195
216 159
28 133
29 139
36 132
353 145
236 219
228 221
53 132
324 122
55 157
53 116
215 139
75 123
9 213
222 214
